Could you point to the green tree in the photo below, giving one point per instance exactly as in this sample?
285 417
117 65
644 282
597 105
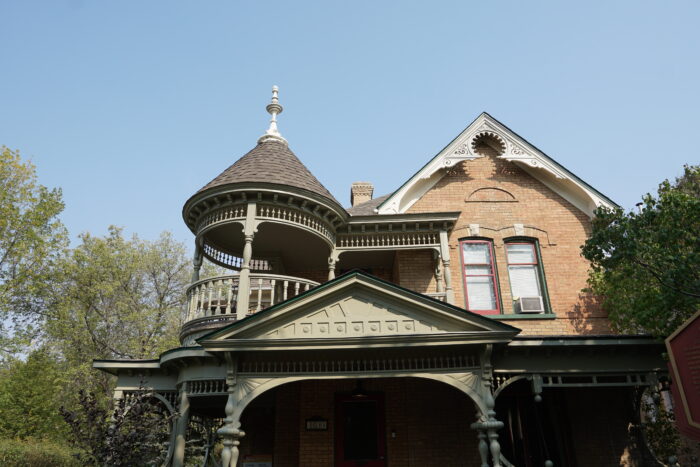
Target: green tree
31 238
646 264
117 298
30 392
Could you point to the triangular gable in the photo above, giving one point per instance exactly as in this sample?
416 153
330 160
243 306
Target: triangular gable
357 305
517 150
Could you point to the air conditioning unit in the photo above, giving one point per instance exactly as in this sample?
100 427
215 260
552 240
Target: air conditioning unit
530 305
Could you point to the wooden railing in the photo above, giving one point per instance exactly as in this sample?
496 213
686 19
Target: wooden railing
218 296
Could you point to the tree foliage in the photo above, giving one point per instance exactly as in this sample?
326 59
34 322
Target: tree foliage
31 238
30 392
646 264
118 298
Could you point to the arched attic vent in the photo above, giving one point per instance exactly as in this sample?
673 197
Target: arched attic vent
489 139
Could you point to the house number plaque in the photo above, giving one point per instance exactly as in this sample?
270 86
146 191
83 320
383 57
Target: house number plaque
316 424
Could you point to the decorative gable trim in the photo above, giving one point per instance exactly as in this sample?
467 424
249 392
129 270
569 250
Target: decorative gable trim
514 149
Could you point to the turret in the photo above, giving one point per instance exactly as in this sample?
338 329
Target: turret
270 222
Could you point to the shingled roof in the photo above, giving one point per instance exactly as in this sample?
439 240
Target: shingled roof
367 208
271 161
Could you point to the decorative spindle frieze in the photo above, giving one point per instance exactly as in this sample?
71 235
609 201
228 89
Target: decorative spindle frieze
207 387
388 240
364 365
223 215
289 214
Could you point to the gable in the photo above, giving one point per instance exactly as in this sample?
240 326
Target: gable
489 188
358 306
511 148
360 315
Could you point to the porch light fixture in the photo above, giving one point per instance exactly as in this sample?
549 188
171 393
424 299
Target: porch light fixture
358 392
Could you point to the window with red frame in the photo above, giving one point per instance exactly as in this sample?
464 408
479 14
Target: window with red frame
523 270
479 274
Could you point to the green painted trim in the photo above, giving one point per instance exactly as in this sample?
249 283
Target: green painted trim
523 316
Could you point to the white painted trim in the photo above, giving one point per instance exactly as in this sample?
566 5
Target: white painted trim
517 150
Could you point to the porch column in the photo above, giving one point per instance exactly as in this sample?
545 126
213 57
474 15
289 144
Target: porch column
487 428
181 427
196 262
243 299
483 448
445 255
230 433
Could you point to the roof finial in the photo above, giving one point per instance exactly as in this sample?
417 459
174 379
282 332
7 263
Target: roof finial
273 108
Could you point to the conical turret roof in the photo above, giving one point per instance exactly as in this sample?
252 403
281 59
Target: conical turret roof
271 161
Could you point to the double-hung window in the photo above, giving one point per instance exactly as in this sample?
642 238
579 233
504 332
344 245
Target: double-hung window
525 276
479 273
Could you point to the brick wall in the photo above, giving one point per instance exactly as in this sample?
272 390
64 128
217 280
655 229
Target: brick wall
430 422
496 194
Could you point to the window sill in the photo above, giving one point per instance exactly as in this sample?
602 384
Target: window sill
523 316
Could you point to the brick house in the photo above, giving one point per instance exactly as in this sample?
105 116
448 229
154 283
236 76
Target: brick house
443 324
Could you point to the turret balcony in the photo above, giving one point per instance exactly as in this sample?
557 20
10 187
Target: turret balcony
214 302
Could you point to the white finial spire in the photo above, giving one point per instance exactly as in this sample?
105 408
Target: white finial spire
273 108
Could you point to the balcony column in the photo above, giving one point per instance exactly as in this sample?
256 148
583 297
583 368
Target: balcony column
445 255
332 261
196 261
249 229
181 427
440 286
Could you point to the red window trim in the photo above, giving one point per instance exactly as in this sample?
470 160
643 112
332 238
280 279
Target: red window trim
493 275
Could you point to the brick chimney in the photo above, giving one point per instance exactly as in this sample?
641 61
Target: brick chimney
360 192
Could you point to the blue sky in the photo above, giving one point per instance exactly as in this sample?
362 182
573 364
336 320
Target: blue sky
130 107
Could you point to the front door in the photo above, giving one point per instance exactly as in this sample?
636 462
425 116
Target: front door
359 437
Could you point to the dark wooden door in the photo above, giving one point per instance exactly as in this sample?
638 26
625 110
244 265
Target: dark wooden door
359 431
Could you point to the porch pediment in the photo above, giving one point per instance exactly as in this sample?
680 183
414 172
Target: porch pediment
358 306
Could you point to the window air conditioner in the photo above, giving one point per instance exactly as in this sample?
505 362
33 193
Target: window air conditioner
530 305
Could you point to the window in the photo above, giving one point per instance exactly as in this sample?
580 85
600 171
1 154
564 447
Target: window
525 274
479 274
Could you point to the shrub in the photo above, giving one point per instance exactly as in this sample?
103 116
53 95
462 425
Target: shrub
35 453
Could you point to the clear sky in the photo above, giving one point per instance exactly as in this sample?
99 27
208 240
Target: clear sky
132 106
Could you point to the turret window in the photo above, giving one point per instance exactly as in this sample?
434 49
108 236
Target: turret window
479 273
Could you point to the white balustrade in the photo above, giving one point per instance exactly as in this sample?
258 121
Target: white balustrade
217 296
